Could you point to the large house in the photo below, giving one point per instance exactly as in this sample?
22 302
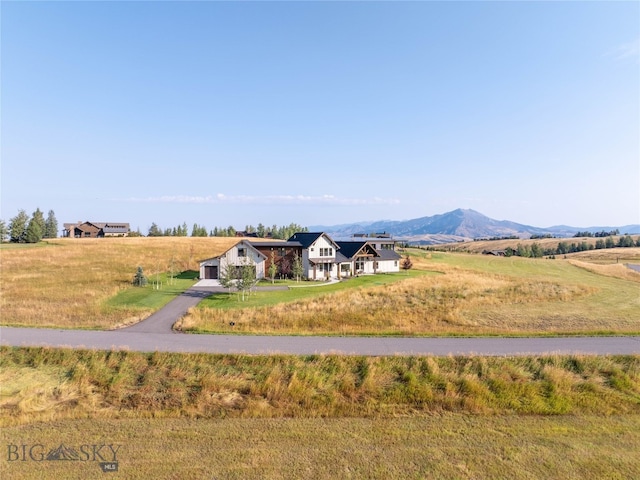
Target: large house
320 255
95 230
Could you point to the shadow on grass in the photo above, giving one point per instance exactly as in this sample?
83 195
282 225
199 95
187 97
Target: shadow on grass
188 275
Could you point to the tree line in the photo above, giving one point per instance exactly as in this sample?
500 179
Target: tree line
536 251
276 232
29 229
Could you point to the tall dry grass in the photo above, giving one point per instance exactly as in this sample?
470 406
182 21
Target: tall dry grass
444 304
48 384
67 282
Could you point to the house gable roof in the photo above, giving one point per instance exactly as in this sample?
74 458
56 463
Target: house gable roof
306 239
350 250
245 243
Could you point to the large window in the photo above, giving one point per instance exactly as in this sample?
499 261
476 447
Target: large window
326 252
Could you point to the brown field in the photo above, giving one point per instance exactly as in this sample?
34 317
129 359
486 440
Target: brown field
67 282
236 416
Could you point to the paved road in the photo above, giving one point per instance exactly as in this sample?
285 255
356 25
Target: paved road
163 319
127 339
155 334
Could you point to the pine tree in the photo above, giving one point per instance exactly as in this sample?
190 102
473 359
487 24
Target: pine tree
51 225
34 231
18 227
4 231
38 218
140 280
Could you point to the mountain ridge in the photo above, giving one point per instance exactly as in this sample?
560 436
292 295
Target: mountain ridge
458 225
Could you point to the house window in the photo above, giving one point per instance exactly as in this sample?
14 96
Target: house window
242 252
395 263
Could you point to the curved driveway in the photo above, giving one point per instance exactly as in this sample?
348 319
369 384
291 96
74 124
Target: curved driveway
155 334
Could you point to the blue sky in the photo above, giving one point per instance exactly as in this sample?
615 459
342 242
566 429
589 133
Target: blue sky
226 113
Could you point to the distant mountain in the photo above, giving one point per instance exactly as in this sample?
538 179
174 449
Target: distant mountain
454 226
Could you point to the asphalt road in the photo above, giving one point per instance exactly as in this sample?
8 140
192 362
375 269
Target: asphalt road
155 334
305 345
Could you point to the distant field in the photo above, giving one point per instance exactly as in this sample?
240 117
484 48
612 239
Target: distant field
72 283
482 245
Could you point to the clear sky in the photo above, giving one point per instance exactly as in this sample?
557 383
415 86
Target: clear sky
236 113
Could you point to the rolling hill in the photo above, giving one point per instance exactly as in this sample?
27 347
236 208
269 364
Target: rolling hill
457 225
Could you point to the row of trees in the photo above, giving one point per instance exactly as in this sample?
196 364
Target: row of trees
536 251
600 234
277 232
29 229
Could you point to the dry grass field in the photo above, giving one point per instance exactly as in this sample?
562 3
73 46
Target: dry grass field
472 294
449 446
70 283
67 282
546 243
232 416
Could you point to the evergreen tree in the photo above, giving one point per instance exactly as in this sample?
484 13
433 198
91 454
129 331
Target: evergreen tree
38 218
140 280
34 231
18 227
51 225
4 231
154 231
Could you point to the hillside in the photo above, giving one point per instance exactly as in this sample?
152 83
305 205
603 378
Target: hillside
455 226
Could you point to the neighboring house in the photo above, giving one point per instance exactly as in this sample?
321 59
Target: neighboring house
321 256
95 229
240 254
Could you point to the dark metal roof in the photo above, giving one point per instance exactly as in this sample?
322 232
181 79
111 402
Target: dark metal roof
306 238
351 249
276 244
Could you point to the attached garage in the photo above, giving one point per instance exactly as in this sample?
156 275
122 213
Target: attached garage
211 272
